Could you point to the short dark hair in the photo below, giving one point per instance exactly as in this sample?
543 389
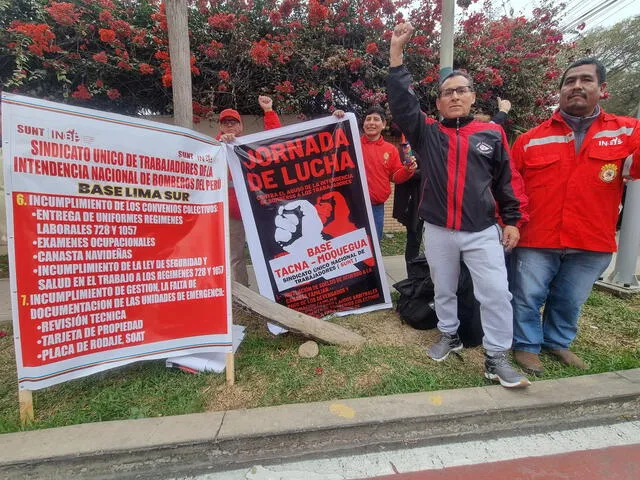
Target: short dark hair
376 109
601 72
457 73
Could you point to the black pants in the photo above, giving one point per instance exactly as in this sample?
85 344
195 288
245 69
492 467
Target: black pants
414 239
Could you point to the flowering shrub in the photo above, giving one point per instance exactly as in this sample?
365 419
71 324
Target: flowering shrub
312 56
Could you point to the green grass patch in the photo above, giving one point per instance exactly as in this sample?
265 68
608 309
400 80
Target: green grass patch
270 372
393 243
4 266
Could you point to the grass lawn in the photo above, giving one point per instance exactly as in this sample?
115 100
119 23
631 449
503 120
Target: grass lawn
270 372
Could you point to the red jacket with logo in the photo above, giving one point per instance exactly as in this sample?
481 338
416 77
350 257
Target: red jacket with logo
574 197
382 165
271 121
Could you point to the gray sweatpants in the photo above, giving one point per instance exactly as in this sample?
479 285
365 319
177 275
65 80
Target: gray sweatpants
483 254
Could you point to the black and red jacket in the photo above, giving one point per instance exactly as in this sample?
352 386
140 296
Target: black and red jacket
466 164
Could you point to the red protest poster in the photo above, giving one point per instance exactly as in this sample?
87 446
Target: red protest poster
307 215
117 240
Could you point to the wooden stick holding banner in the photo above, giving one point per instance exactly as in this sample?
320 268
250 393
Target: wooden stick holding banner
296 322
230 368
25 399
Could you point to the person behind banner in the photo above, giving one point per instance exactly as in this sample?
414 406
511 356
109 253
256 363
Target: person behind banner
231 126
573 165
467 170
382 163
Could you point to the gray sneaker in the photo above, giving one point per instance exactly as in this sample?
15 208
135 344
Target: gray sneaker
448 343
497 367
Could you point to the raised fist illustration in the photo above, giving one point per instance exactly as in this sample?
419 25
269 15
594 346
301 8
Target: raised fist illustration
298 226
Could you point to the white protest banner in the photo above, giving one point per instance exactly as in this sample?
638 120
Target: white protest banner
117 240
307 215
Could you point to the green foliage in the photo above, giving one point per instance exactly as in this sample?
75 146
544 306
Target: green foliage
311 56
618 48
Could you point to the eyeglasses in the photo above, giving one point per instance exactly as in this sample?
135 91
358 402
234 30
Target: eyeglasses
229 122
448 92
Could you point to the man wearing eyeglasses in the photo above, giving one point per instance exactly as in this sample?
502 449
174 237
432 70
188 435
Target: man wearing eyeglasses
231 126
573 165
467 177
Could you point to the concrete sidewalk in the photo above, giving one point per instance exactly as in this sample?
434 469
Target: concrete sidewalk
156 448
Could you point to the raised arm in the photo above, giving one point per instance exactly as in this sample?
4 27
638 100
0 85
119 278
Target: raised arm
271 119
404 105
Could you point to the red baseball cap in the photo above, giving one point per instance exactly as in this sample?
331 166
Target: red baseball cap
230 113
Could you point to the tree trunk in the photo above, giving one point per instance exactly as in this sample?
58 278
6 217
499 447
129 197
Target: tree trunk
177 23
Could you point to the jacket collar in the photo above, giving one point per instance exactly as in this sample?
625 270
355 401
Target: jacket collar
380 140
557 115
457 122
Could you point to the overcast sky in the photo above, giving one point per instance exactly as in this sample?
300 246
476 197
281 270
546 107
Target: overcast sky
617 11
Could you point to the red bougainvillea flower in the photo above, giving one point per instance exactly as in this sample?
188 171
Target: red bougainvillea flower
211 49
63 13
317 12
372 48
107 35
124 65
355 64
166 79
275 17
146 69
222 21
40 35
161 55
285 87
195 70
259 53
100 57
105 16
82 92
99 83
201 110
113 93
224 75
122 28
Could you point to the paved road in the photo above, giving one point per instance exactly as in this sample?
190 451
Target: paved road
613 463
610 452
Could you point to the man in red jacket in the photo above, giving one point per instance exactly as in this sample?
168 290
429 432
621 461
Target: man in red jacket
381 163
231 127
573 166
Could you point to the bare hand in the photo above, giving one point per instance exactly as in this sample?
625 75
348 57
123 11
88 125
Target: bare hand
227 137
338 113
504 105
266 103
510 237
411 166
401 34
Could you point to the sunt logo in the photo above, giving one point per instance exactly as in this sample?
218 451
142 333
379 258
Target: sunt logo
610 143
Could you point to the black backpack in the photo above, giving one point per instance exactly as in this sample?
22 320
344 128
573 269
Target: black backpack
416 308
415 304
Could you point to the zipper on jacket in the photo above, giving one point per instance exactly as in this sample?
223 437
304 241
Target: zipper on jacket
455 182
